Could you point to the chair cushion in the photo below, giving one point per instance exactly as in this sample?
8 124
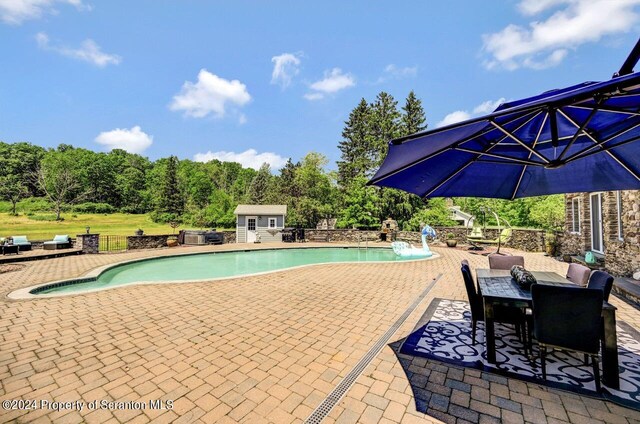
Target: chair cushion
20 240
497 261
61 239
578 274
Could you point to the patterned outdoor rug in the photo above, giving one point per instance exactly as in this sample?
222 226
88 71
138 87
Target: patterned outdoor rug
444 334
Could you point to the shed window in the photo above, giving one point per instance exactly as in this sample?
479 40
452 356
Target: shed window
575 215
272 223
251 224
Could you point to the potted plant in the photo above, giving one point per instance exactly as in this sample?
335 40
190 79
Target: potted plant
139 232
451 240
550 243
172 241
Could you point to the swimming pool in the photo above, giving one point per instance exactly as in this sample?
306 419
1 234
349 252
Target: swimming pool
210 266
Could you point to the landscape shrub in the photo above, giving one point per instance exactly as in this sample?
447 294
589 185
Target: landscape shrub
34 204
43 217
90 207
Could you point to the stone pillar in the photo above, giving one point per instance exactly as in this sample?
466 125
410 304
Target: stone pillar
88 242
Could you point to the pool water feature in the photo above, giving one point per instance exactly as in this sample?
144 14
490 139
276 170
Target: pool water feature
212 266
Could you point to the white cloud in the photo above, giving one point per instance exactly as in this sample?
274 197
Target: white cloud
314 96
89 51
285 67
454 117
488 106
211 94
392 71
332 82
14 12
132 140
249 158
545 42
462 115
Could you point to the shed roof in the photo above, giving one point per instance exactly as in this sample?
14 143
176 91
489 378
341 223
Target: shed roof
261 210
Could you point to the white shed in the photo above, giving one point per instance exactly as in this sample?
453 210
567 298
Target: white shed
259 222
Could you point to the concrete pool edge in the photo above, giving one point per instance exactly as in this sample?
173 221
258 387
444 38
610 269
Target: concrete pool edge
33 292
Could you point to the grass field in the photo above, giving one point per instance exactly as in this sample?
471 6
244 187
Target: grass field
106 224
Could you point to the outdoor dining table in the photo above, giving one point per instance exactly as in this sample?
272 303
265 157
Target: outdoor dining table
497 287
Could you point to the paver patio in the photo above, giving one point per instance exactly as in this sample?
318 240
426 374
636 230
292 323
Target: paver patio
265 348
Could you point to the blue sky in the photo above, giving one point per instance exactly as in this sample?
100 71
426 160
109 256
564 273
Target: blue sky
256 81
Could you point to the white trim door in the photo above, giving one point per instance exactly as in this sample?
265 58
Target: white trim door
252 229
595 203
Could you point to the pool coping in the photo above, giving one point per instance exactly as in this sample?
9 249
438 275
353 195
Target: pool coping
31 292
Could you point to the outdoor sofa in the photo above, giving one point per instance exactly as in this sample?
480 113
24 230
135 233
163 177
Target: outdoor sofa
58 242
22 242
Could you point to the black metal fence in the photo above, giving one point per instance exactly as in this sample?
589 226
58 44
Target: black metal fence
112 243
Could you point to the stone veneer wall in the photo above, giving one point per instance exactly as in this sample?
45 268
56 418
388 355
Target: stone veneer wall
157 241
527 240
622 257
89 243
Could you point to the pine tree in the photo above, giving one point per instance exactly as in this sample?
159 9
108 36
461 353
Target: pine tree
288 187
385 126
171 200
413 119
356 155
260 185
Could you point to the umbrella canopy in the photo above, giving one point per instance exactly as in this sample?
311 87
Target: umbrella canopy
576 139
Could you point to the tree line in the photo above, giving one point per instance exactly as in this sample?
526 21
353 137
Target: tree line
205 194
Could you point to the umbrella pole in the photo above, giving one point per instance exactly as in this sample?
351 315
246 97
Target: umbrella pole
630 63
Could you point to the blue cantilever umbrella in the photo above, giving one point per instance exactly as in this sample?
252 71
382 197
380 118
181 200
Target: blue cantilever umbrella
576 139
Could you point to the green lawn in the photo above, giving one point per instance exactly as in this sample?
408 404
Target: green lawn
107 224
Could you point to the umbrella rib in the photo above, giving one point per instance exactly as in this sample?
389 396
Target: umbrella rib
494 155
578 132
607 149
617 159
608 109
524 168
581 153
453 174
478 133
517 140
447 179
591 150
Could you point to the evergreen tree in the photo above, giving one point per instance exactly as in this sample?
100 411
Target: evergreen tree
170 201
413 119
260 185
385 126
356 155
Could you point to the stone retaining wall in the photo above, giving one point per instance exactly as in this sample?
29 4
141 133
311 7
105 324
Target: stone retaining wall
160 240
527 240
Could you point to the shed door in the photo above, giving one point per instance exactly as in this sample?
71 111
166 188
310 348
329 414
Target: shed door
252 223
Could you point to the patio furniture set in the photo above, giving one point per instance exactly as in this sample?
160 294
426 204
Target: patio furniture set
17 244
569 313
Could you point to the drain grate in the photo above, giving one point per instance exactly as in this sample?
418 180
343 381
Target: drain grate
341 389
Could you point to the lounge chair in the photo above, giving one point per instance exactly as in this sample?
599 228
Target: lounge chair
22 242
58 242
476 234
505 236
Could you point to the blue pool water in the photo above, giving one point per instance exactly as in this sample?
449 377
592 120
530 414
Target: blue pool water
220 265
